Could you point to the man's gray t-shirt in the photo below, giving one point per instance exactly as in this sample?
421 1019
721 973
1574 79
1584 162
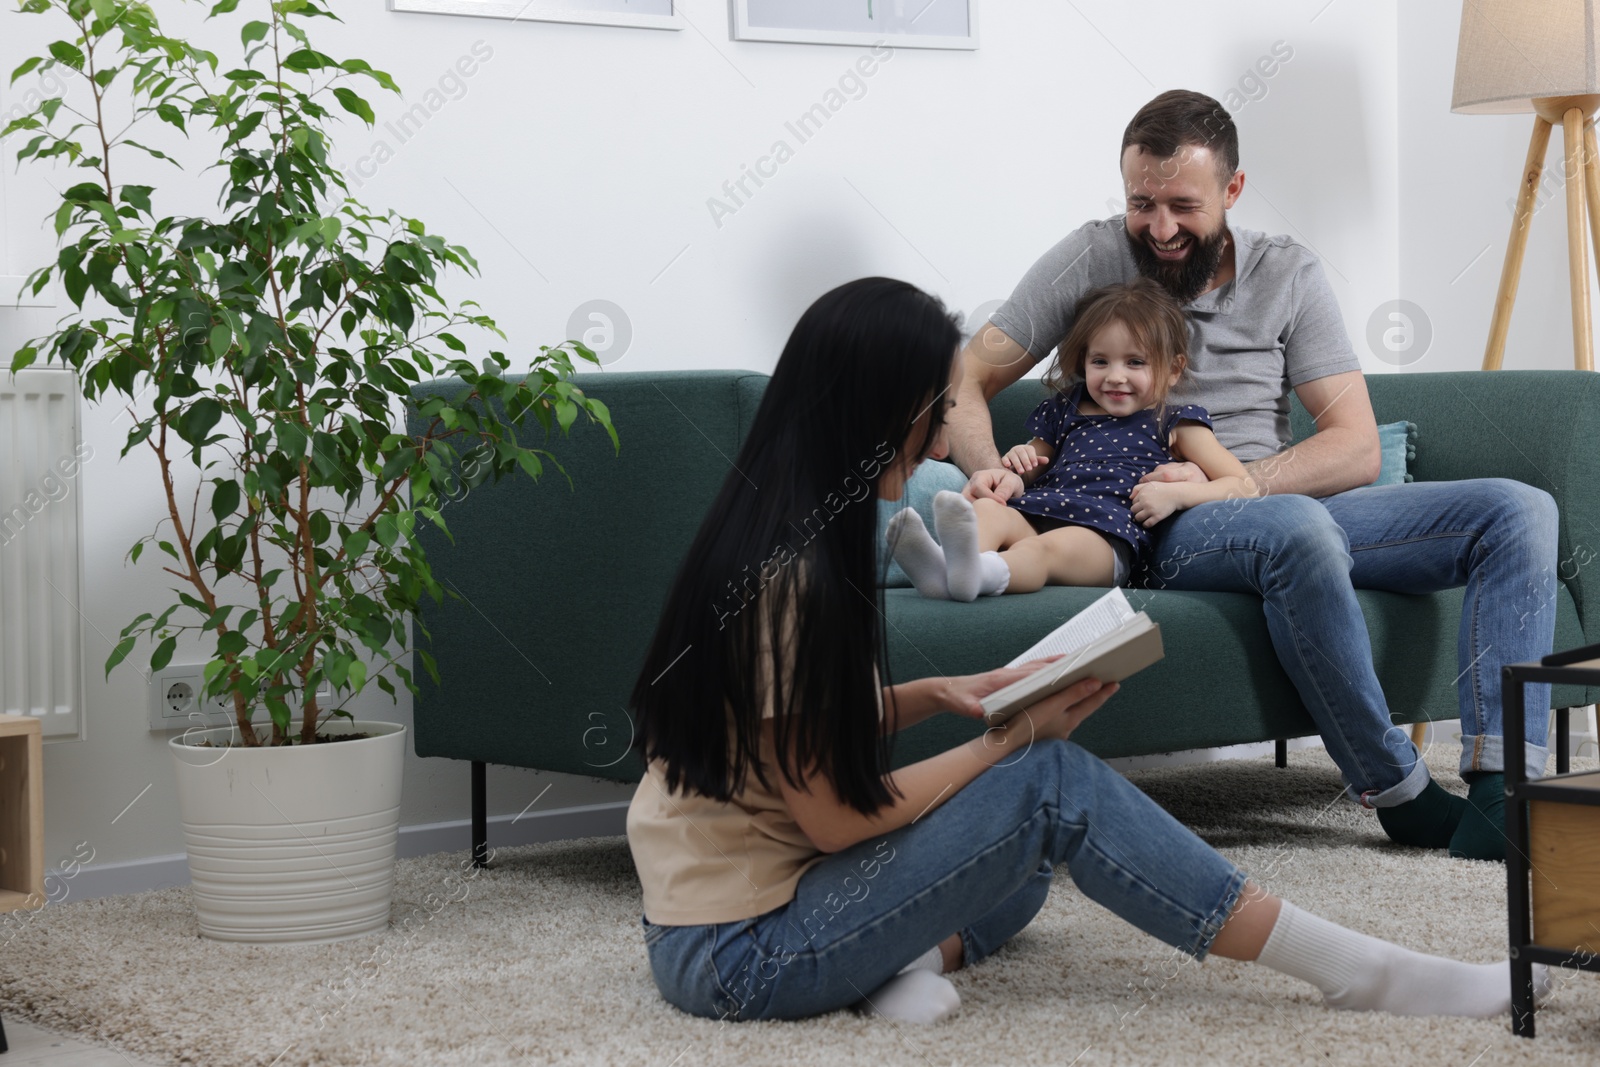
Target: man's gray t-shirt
1275 326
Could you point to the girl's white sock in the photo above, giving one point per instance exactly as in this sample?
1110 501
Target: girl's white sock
1360 973
914 995
969 573
914 549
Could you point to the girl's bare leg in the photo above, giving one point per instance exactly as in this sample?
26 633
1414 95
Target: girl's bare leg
1000 526
1069 555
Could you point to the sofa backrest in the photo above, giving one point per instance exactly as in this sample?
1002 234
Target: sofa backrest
562 584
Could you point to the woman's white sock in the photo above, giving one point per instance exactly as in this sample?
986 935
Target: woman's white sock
914 549
969 573
914 996
931 960
1360 973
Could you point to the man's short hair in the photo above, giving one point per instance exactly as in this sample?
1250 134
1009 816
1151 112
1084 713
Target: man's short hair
1182 117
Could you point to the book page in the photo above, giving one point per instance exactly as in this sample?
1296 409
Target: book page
1084 628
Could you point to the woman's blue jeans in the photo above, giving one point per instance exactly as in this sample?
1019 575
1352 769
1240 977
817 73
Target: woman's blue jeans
979 865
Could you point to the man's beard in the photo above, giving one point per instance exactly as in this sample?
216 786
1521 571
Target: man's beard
1187 278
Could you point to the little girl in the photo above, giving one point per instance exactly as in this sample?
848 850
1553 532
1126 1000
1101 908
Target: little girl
1083 516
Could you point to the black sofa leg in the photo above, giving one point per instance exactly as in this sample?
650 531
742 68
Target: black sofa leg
1563 739
1281 752
480 814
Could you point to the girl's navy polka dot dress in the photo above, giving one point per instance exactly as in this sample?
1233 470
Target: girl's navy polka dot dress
1098 461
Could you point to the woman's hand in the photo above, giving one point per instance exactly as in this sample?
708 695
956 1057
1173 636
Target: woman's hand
964 694
1056 716
995 483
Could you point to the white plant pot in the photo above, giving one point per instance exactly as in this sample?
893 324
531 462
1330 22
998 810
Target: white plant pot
291 844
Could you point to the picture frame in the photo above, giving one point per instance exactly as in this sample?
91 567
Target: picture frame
645 14
949 24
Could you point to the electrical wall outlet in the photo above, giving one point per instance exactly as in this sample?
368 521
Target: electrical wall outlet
175 699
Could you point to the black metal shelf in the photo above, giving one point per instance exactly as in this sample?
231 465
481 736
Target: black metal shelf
1579 666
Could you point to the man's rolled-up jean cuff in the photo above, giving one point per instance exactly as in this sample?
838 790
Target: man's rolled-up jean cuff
1408 788
1485 753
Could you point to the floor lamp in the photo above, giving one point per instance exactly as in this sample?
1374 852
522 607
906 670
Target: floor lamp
1539 56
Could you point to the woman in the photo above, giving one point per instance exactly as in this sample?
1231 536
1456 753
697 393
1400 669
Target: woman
787 871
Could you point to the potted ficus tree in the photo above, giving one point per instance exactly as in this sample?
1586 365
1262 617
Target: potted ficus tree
266 351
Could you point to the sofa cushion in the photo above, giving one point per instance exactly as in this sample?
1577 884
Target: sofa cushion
1219 682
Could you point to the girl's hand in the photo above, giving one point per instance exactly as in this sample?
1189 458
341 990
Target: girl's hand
1153 501
1022 459
964 694
1056 716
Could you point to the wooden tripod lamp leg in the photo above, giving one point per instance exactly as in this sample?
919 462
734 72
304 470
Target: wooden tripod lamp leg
1511 271
1577 240
1591 185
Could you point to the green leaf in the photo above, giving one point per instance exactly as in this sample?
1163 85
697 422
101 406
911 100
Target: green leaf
355 544
224 498
199 419
27 65
68 53
223 7
119 653
386 530
163 654
253 31
353 103
304 59
138 196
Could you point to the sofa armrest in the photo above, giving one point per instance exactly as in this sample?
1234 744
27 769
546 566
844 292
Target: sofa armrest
556 587
1537 427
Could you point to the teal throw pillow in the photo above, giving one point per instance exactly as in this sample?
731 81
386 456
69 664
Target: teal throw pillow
930 477
1398 442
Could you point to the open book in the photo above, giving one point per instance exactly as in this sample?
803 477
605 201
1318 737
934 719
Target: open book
1107 640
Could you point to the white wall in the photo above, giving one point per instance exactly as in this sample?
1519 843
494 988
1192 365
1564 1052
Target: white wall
578 165
1458 176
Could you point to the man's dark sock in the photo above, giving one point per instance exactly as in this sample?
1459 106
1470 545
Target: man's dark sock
1428 820
1482 833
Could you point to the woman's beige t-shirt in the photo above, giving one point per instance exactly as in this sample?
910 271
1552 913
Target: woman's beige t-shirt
705 861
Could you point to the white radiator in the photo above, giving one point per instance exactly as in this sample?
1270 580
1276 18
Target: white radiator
41 549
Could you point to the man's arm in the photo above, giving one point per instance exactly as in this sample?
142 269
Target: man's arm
1342 454
993 361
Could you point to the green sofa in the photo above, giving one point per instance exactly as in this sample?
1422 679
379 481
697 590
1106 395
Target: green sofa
560 585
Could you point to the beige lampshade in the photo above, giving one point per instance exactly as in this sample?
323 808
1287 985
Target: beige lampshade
1514 50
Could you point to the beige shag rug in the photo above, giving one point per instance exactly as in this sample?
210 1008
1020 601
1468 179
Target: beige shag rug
543 962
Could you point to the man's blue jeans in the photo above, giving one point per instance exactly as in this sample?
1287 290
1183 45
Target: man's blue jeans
1305 557
979 865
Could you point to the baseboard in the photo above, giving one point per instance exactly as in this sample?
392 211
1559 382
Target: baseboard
1208 755
164 872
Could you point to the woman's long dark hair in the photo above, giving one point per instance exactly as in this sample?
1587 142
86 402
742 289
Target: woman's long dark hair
789 545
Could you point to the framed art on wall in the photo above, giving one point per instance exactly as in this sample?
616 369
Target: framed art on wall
651 14
901 23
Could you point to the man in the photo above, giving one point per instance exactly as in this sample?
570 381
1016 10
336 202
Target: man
1263 321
